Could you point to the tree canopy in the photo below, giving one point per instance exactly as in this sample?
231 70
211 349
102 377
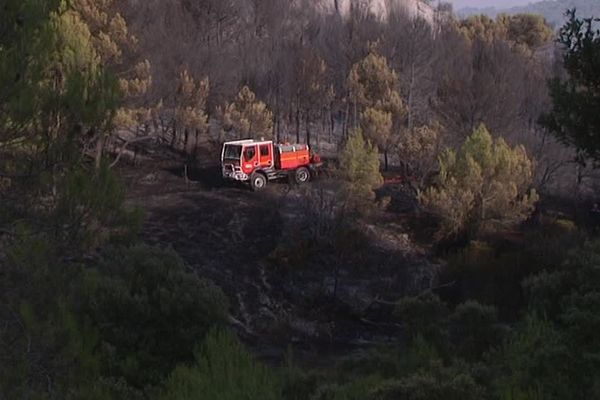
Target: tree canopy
485 182
574 117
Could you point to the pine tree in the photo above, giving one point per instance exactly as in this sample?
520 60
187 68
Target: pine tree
246 117
485 183
359 166
574 118
373 89
418 150
223 370
116 49
190 108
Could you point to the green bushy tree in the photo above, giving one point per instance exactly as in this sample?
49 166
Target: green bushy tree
474 328
45 351
51 97
424 316
435 383
553 353
374 89
359 168
223 370
574 117
485 183
150 312
246 116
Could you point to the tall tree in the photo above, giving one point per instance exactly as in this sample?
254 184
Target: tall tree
190 109
246 116
373 90
485 183
574 117
59 90
117 49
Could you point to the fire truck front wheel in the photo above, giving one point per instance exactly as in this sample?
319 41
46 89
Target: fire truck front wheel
258 181
302 175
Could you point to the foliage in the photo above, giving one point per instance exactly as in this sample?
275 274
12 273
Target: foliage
89 210
553 353
225 370
485 182
473 326
117 49
437 383
55 92
528 30
574 116
374 88
359 167
530 364
422 316
190 109
150 312
418 150
247 117
553 11
44 350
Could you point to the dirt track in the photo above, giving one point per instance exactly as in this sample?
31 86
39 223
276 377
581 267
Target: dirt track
226 233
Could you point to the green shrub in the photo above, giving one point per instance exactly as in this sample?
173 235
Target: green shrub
423 316
359 162
474 328
223 370
150 312
437 383
90 210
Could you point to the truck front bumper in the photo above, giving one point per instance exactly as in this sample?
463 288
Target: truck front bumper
234 173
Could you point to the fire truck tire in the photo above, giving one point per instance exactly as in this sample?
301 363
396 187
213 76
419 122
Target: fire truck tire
258 181
302 175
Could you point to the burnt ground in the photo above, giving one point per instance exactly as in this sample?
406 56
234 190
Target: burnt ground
229 234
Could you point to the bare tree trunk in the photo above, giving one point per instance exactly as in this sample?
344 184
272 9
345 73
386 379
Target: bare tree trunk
332 124
196 144
307 127
297 124
99 150
346 120
385 158
174 137
410 96
186 137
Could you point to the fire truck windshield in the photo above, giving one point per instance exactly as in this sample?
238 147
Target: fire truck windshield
232 152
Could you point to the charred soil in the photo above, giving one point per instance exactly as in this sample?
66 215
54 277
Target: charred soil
229 234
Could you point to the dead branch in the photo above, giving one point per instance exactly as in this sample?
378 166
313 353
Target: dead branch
124 147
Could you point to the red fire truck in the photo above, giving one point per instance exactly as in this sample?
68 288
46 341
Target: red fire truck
258 162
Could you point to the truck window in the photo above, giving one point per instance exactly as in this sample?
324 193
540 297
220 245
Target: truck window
264 150
249 153
232 152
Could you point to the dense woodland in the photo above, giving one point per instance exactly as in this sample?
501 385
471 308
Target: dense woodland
552 10
488 128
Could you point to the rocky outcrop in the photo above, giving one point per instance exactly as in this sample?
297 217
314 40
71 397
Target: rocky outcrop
414 8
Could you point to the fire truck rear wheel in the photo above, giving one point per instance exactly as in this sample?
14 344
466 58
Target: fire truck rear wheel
258 181
302 175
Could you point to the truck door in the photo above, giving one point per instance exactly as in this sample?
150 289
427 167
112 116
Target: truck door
249 159
266 155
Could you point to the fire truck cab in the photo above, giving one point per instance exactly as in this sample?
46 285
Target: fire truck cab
260 161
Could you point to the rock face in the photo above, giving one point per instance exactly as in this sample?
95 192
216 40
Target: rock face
414 8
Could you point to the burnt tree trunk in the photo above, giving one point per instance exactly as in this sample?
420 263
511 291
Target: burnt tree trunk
307 127
385 158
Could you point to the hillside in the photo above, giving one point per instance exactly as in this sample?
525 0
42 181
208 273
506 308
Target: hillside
552 10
